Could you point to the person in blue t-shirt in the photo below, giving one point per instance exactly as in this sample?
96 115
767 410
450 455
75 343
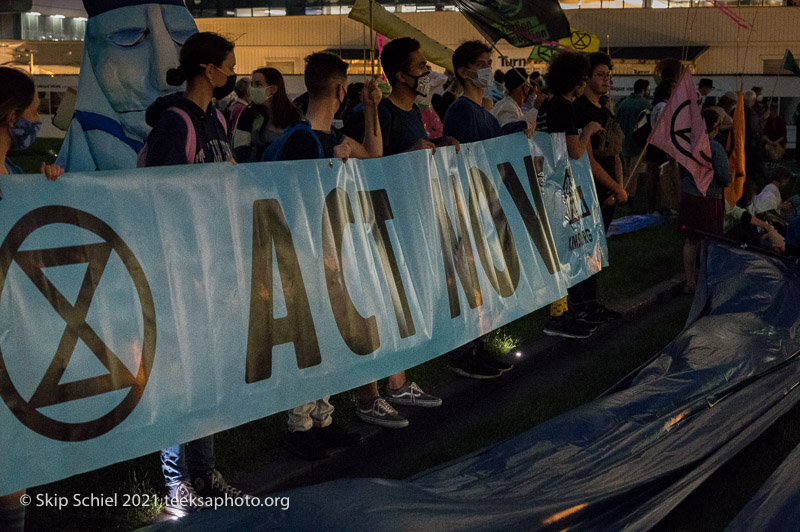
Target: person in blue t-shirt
311 430
466 120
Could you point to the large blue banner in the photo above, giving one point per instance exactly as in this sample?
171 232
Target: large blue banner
145 308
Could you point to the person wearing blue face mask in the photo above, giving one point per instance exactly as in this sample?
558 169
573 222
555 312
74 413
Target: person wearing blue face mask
130 45
19 120
19 124
466 120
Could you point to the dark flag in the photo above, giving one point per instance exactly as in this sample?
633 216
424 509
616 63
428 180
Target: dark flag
520 22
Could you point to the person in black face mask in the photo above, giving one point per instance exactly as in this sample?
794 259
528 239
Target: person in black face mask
187 129
187 119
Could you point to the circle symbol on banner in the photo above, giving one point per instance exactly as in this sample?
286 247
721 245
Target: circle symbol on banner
50 391
580 40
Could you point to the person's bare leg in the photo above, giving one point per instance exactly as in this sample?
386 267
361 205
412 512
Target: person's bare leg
367 393
397 380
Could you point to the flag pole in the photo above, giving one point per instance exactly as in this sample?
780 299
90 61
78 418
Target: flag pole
372 62
635 166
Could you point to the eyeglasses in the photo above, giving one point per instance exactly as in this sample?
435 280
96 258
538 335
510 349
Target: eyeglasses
604 75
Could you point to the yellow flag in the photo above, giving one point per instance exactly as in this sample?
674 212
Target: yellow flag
735 149
394 27
581 41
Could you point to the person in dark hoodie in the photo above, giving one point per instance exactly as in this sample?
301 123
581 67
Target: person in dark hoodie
189 118
181 121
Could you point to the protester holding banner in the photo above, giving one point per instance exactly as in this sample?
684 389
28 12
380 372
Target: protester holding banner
703 213
187 128
604 155
466 120
264 121
566 79
311 429
19 125
402 130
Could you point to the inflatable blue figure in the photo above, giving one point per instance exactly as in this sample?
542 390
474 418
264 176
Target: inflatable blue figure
130 45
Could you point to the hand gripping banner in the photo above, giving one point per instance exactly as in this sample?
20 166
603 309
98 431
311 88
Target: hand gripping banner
145 308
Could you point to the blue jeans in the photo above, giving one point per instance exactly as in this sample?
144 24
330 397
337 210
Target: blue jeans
188 460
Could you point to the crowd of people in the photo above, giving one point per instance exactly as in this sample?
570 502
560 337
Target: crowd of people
473 103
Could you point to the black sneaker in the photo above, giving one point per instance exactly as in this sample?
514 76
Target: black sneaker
213 485
587 316
473 367
183 500
494 362
566 326
306 444
333 437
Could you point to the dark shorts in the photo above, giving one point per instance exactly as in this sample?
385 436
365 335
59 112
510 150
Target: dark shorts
701 214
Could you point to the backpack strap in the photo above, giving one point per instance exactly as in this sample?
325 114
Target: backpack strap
191 137
305 127
222 120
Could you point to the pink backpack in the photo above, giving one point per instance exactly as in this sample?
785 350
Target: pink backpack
191 137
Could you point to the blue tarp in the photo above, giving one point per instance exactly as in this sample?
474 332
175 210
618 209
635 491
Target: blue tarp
635 222
622 462
776 506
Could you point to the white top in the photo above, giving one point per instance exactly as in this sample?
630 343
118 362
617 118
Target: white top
507 111
768 199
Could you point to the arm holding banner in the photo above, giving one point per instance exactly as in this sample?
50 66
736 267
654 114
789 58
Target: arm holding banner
372 147
602 177
576 144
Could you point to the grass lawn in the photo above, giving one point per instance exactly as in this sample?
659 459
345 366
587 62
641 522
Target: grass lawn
639 261
31 159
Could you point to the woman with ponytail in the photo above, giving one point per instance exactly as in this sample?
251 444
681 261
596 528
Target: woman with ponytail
187 128
188 121
269 114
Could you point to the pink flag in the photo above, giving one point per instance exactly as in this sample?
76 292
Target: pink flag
681 132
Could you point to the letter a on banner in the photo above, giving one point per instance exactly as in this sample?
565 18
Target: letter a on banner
265 332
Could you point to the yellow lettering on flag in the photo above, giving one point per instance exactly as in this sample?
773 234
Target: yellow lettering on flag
735 149
394 27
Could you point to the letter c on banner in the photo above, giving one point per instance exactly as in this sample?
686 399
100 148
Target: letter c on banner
503 281
359 333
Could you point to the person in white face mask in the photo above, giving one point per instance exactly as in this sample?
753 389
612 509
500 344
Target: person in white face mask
466 120
264 121
519 91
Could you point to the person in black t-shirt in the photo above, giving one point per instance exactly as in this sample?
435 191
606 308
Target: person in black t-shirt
311 432
402 130
604 155
326 82
566 79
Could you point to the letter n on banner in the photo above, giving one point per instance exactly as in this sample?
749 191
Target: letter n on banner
538 226
456 249
504 282
270 229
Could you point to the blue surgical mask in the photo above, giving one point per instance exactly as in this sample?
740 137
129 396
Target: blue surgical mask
23 133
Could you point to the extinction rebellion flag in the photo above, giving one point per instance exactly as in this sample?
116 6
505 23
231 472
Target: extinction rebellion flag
520 22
